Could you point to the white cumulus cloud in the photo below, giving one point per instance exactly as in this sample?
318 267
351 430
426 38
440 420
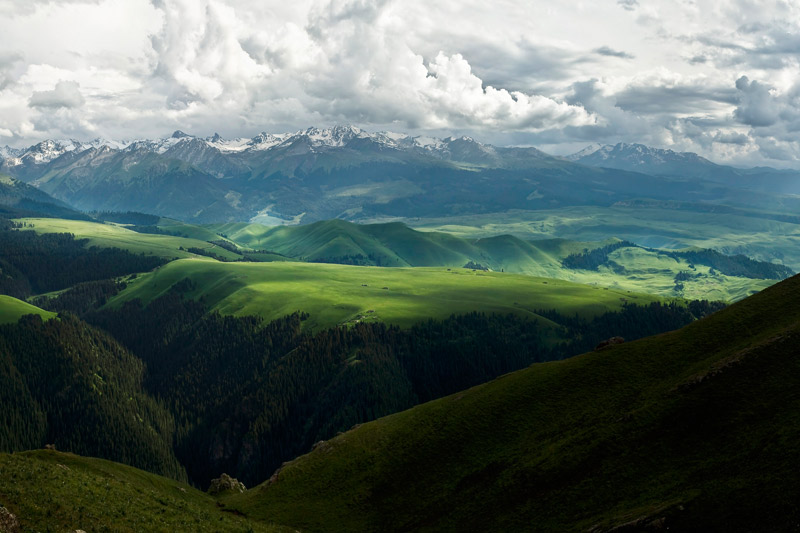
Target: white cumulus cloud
65 94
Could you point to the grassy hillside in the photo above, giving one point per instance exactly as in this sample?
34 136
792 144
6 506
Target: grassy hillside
335 294
395 244
337 241
691 430
12 309
383 244
112 235
53 491
761 235
639 269
190 231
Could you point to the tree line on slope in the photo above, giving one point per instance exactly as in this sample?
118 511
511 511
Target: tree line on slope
65 383
31 263
730 265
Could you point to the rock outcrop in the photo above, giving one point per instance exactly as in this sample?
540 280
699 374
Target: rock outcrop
225 483
8 522
608 343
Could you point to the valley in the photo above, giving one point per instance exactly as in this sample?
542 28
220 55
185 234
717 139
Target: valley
538 345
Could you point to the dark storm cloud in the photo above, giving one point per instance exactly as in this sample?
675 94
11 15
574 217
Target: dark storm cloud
676 99
731 138
521 66
761 46
756 106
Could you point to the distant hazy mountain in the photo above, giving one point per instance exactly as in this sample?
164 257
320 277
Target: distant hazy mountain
346 172
665 162
20 199
304 176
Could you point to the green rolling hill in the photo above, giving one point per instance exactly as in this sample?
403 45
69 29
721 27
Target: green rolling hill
116 236
694 430
336 241
395 244
392 244
12 309
336 294
763 235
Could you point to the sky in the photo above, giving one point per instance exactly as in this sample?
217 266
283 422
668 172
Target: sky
716 77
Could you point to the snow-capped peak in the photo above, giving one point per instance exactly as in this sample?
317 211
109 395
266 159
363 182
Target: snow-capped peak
106 143
463 138
46 151
336 136
265 141
158 145
6 152
315 138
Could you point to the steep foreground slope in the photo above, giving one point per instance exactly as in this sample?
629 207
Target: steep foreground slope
691 430
65 383
54 491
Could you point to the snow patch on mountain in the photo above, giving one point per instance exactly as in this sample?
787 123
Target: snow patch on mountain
265 141
589 150
46 151
429 143
6 152
392 136
337 136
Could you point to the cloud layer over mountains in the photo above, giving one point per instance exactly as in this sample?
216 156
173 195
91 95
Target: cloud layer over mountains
718 77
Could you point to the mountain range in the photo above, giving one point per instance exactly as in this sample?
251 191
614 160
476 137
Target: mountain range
664 162
346 172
